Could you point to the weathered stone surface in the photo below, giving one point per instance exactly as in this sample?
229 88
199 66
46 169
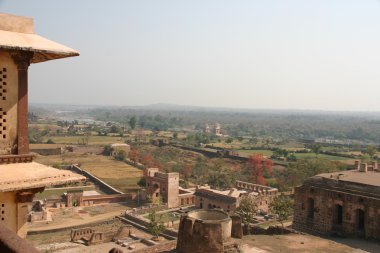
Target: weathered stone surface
344 203
204 231
237 229
81 233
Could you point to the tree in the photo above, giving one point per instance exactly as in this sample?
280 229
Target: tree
254 140
132 122
142 182
147 160
298 171
267 142
281 206
114 129
316 148
50 141
258 165
220 177
155 227
292 158
187 171
229 140
107 150
247 209
371 151
121 155
134 155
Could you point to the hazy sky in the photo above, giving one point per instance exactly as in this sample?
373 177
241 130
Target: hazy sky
251 54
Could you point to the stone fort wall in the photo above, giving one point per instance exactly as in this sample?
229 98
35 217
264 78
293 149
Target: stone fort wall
323 210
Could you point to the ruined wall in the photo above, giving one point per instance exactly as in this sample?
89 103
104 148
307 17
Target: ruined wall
102 199
8 104
95 179
185 200
47 151
173 190
336 211
206 203
263 202
81 233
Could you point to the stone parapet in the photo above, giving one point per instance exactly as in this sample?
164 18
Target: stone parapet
6 159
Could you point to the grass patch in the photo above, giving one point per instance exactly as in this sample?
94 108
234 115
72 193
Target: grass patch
247 153
327 157
118 174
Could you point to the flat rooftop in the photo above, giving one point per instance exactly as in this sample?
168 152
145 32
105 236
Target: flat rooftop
17 33
230 195
18 176
354 176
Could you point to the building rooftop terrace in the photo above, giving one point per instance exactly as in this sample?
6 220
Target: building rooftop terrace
17 176
354 176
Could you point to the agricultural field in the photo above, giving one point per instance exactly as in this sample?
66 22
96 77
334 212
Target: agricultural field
247 153
328 157
116 173
233 145
92 140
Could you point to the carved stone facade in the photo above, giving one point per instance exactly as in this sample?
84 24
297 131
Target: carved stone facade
229 200
345 203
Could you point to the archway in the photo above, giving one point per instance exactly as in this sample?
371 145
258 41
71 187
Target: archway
338 219
310 208
360 220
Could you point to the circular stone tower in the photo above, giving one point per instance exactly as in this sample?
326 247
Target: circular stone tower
204 231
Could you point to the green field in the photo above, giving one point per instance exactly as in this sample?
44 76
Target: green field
328 157
247 153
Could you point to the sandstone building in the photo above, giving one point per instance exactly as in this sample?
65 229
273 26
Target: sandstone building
20 177
345 203
166 186
162 185
229 200
215 130
116 147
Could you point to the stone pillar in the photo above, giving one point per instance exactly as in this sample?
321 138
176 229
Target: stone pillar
237 229
22 200
22 60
